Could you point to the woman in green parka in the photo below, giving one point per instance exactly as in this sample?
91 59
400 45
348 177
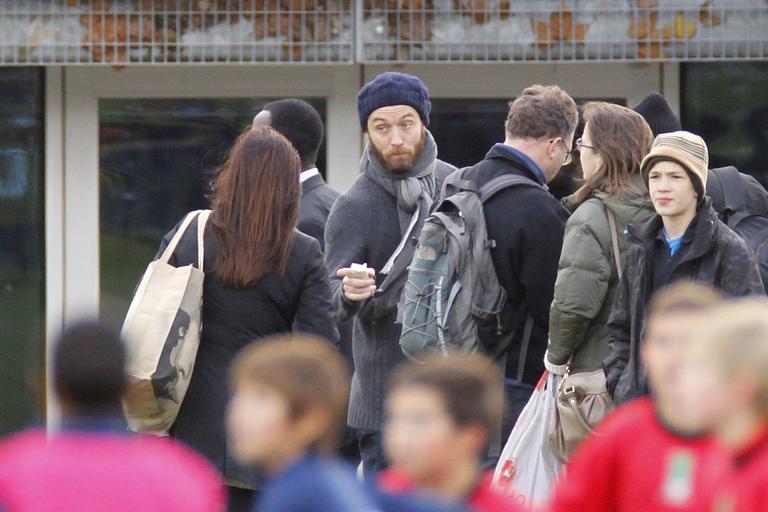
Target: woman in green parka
615 141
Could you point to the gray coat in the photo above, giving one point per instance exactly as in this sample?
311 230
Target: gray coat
364 227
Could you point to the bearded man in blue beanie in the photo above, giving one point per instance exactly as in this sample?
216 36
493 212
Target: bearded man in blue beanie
373 224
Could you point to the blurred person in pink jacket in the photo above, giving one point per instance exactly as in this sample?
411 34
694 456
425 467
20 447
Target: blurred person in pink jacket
93 462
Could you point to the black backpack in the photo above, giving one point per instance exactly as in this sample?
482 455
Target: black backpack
742 204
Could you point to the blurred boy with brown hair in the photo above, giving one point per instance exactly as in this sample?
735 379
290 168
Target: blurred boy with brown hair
643 457
290 396
440 418
724 389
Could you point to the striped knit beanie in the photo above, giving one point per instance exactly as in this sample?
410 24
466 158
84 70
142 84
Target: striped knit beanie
684 148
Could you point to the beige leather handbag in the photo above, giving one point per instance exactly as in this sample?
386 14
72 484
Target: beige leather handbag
582 402
582 398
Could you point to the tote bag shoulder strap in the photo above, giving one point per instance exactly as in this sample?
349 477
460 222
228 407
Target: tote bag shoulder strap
202 221
173 244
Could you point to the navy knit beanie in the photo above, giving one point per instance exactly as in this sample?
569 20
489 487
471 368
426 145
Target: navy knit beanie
655 109
389 89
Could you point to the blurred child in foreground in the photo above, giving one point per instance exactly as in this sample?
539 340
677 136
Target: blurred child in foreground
440 418
290 397
724 389
93 462
644 456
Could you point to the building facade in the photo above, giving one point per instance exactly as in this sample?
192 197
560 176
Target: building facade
116 114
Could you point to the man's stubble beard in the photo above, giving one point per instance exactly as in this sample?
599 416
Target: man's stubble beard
400 168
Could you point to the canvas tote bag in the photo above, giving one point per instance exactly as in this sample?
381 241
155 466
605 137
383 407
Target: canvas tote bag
162 335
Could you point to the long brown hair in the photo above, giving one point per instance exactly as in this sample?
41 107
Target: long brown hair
255 207
622 138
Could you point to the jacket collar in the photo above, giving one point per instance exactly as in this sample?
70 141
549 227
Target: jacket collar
754 446
95 424
699 237
312 183
520 161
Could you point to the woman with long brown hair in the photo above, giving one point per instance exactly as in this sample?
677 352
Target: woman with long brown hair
265 278
614 195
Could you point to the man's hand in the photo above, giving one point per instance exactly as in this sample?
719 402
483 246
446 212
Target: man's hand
355 288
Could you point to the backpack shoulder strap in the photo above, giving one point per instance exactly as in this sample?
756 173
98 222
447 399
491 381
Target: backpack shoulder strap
455 182
735 197
505 181
715 192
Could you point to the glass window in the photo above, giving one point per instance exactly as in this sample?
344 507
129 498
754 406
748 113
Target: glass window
727 104
156 159
22 295
465 129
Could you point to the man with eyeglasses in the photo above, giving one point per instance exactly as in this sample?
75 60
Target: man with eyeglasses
526 224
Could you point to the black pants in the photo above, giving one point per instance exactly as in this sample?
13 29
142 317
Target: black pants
371 453
350 446
240 500
516 396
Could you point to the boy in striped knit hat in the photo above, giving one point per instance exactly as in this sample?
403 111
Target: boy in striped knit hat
684 241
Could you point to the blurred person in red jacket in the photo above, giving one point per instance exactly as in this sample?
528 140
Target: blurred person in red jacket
93 462
644 457
724 389
440 418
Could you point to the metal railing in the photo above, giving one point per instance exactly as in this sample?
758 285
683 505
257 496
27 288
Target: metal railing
125 32
122 32
563 31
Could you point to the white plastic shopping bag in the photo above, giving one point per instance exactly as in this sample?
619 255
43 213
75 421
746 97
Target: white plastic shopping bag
162 335
528 468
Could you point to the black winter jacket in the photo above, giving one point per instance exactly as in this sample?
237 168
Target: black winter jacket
711 254
527 224
233 318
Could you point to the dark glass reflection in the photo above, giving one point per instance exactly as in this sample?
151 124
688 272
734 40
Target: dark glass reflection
22 297
156 158
727 104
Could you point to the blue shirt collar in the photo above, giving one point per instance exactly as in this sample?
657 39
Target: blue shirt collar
534 167
95 424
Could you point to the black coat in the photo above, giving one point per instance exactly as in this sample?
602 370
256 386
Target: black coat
528 225
233 318
317 198
711 254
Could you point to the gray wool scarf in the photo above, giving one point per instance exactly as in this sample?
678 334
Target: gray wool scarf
409 187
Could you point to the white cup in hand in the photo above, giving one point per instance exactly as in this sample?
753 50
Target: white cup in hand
358 282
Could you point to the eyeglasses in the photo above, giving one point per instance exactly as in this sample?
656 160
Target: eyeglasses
580 144
568 153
